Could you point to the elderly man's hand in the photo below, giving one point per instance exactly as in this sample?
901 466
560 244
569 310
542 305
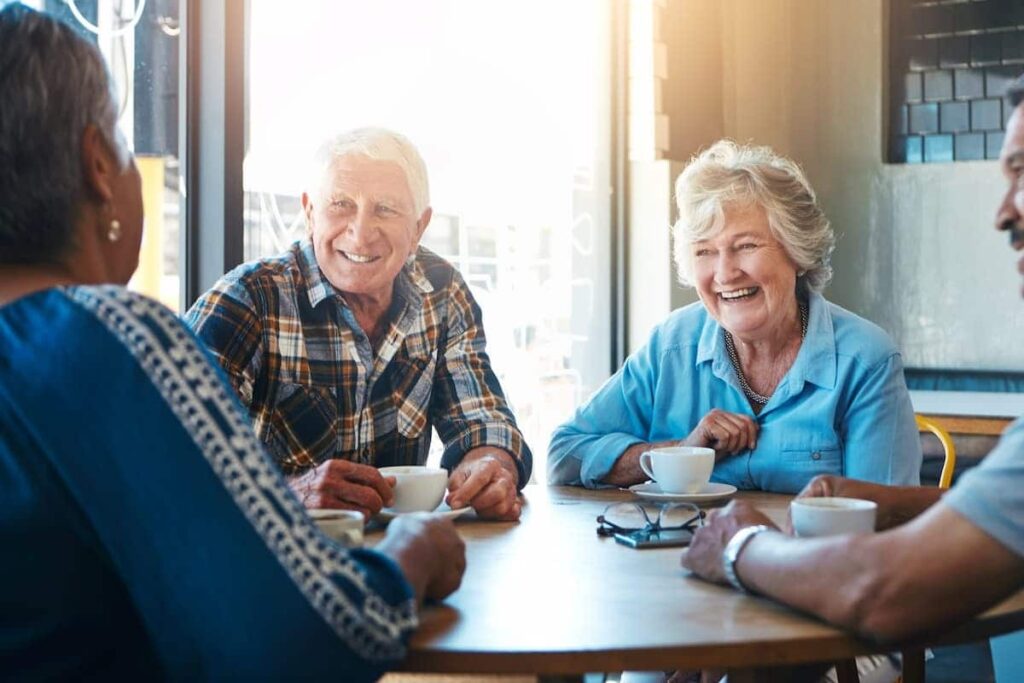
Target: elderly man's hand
344 485
704 556
486 480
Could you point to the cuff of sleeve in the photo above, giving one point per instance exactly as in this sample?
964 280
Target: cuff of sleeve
605 451
497 435
399 614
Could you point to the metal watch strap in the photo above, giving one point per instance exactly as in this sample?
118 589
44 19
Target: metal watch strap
732 553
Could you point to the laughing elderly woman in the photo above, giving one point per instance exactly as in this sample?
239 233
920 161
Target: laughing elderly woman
783 384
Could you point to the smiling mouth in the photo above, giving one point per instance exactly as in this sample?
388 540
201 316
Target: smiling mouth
739 294
358 258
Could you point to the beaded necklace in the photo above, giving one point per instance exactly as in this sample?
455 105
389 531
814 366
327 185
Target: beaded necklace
758 399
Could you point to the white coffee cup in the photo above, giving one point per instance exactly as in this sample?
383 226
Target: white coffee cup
679 469
343 526
831 516
417 488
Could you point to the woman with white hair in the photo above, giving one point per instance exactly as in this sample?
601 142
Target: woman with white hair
781 383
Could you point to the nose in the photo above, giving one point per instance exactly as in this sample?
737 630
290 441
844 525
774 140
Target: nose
1008 219
726 268
363 226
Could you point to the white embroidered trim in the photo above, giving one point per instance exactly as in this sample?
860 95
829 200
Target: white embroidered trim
196 395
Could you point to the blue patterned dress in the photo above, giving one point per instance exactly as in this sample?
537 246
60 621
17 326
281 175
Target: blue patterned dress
144 533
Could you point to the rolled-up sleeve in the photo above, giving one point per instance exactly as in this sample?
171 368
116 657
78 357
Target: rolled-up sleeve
468 406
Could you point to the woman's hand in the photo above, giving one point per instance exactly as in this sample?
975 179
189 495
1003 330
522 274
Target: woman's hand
429 552
727 433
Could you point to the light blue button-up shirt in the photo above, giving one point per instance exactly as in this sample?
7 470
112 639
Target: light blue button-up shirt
843 407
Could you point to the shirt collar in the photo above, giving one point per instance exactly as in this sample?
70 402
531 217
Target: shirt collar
815 363
410 284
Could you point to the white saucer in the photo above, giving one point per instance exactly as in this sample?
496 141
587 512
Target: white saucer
442 511
651 491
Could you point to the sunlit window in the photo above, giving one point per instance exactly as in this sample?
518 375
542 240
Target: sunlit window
509 103
140 40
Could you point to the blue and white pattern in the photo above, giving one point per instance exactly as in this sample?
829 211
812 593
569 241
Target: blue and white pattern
183 375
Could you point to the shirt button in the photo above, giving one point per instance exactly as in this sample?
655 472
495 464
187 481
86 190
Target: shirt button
815 455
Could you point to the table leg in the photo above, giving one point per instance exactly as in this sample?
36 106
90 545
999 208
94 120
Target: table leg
913 666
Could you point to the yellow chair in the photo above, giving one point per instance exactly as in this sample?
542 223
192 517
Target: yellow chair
913 660
925 424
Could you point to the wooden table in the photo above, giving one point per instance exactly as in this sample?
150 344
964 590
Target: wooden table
548 596
969 412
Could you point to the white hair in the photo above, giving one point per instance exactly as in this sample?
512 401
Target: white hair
730 175
378 144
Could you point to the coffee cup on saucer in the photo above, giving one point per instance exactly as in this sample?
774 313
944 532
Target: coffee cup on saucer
829 516
417 488
679 469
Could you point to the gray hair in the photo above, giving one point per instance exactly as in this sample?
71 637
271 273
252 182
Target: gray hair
731 175
379 144
53 84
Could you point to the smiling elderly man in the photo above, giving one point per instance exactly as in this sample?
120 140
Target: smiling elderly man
350 346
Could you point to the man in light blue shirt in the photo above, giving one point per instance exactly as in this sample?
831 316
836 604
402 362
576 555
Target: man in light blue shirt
781 383
940 560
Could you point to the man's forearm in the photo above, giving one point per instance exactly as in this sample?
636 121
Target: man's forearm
888 585
900 504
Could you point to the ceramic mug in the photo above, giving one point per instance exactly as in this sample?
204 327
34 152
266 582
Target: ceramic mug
343 526
829 516
417 488
679 469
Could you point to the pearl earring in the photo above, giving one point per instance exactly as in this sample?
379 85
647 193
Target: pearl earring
114 231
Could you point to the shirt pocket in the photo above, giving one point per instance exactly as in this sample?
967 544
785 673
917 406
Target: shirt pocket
305 424
412 385
825 458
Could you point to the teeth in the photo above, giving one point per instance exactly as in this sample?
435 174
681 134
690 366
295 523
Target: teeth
358 258
738 293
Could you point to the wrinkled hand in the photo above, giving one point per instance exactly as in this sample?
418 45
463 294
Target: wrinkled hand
704 556
429 551
344 485
727 433
486 480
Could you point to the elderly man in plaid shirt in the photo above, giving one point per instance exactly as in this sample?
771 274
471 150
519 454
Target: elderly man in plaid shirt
350 346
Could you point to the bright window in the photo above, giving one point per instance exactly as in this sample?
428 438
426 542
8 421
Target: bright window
510 105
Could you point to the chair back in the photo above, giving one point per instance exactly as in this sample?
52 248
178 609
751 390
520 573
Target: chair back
925 424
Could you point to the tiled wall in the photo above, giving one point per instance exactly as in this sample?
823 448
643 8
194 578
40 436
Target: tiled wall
950 64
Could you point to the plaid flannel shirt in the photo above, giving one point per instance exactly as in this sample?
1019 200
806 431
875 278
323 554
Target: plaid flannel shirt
314 386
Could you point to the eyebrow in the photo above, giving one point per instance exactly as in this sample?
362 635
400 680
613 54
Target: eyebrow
742 235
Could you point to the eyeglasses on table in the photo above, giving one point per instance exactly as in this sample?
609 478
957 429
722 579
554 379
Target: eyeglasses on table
620 518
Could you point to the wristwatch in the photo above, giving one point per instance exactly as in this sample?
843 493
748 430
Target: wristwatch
732 553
